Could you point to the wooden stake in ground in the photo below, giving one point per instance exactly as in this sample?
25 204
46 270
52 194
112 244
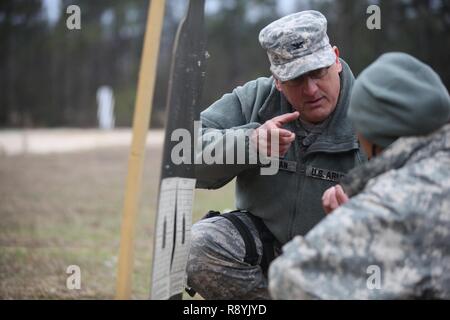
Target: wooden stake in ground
174 214
143 107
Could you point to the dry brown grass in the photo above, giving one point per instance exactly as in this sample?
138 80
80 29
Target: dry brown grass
65 209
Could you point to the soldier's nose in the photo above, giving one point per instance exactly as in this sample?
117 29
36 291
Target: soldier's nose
310 87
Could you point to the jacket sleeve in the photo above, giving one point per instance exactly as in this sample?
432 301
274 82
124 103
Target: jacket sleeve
373 247
225 131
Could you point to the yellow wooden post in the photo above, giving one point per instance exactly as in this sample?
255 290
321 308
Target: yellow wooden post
143 107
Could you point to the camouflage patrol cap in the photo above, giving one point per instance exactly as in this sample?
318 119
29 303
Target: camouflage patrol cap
297 44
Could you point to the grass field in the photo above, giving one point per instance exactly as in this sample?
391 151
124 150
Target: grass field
58 210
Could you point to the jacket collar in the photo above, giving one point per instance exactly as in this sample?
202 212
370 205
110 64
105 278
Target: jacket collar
397 155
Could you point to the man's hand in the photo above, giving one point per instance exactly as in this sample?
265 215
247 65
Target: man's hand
262 136
333 198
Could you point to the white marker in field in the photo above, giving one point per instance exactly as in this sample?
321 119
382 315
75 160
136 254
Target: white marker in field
105 111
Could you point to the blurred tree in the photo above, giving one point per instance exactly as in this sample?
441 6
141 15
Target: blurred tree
49 75
235 53
418 27
19 65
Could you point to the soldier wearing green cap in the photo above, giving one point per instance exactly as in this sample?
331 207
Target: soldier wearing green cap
305 101
388 236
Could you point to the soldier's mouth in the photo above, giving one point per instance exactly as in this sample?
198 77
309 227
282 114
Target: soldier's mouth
315 103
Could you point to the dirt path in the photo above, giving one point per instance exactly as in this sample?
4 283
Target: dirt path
44 141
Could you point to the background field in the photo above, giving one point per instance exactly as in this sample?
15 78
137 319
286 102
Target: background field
65 209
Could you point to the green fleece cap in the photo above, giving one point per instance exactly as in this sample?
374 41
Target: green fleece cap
397 96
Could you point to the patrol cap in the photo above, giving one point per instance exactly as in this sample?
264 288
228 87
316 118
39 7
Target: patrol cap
398 96
296 44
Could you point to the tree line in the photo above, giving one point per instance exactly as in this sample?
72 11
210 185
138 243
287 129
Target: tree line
49 74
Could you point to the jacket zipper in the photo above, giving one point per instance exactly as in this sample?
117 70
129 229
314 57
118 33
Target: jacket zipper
299 172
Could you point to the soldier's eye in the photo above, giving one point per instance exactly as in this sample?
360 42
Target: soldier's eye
318 73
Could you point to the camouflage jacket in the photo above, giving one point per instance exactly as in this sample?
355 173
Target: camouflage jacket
390 241
289 201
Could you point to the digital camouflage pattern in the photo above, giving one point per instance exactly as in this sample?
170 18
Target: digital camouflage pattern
216 266
296 44
398 220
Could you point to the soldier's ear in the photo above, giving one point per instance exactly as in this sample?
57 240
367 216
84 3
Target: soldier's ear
278 85
338 62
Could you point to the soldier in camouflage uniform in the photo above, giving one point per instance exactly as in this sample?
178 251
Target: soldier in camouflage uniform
391 239
306 102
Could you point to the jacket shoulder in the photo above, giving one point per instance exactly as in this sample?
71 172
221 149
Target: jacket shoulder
254 93
238 107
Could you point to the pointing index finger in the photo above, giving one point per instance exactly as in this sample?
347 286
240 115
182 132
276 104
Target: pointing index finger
286 118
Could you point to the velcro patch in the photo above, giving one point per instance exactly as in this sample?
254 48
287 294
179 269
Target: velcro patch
324 174
286 165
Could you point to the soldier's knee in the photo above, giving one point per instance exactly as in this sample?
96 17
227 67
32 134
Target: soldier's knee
197 259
